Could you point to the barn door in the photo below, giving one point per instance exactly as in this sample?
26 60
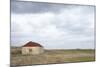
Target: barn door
30 51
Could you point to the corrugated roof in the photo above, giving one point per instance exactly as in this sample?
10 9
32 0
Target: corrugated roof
32 44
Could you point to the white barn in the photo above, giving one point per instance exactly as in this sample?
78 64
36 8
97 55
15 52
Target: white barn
32 48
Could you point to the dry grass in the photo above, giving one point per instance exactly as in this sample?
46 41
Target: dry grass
52 56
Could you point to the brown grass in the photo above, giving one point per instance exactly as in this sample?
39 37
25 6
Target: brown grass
52 56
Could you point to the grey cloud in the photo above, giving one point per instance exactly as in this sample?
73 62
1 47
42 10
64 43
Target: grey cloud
38 7
33 7
55 26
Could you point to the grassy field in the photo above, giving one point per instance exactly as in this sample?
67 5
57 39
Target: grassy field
52 56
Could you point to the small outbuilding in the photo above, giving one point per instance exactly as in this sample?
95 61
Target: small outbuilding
32 48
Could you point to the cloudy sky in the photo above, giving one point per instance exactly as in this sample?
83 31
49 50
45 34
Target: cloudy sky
52 25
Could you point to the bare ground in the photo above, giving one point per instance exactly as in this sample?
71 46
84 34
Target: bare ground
53 56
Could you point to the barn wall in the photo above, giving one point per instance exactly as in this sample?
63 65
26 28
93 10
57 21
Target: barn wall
35 50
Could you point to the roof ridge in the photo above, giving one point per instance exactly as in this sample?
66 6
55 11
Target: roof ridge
32 44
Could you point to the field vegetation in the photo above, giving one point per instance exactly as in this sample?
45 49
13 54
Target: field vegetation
52 56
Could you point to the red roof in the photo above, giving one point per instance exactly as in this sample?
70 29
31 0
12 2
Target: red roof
32 44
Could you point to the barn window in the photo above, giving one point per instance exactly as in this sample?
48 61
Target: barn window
30 50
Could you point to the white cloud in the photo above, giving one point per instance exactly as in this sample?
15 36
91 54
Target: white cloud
72 27
39 24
